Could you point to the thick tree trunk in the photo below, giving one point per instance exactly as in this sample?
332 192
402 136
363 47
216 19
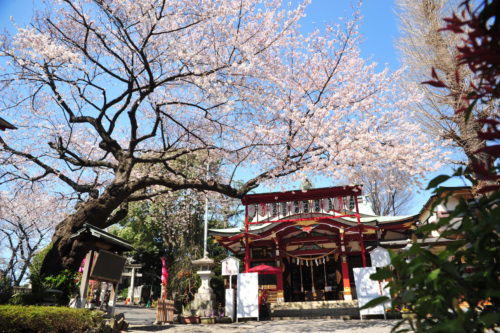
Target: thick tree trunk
69 253
23 270
10 266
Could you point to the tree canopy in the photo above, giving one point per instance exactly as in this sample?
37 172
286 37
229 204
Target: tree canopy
27 219
99 87
454 287
425 45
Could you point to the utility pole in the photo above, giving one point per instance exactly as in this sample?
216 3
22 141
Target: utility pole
205 252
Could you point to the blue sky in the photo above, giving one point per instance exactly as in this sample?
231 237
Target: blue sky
378 28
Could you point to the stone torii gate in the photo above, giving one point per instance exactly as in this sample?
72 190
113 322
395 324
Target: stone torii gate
133 273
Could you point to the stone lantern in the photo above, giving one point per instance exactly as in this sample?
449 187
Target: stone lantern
203 303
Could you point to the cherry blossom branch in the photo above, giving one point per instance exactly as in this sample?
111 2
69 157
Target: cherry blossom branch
50 170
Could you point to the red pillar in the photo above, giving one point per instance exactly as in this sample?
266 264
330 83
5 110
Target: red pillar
247 248
361 239
279 281
279 277
345 268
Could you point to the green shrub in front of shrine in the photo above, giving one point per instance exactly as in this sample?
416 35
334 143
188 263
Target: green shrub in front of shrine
45 319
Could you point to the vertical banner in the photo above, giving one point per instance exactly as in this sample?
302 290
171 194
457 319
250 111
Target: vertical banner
368 289
229 308
230 267
248 296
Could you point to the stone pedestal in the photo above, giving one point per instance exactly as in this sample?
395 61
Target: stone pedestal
204 303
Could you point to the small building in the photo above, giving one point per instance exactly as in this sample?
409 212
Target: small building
306 243
440 205
102 267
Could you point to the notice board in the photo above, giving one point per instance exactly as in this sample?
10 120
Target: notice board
107 266
247 299
368 289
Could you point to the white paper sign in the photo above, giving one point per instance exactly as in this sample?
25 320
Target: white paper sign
380 257
248 295
368 289
229 308
230 266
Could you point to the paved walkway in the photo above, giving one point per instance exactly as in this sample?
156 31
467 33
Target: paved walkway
141 320
279 326
136 315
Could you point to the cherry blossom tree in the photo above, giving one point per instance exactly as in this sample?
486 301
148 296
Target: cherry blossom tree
98 87
387 198
27 220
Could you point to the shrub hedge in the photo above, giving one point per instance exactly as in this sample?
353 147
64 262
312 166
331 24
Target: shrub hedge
45 319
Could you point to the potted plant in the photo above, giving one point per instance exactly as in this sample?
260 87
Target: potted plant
407 313
189 316
393 313
207 320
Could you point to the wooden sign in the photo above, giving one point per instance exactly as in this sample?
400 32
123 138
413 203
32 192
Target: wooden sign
107 266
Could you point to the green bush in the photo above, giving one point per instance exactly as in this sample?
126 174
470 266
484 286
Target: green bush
40 319
65 281
25 299
124 293
36 279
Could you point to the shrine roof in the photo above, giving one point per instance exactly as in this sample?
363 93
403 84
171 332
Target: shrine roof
95 235
237 230
368 220
317 193
380 219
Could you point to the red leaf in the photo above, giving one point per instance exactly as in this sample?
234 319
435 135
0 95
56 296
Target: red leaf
438 84
434 74
490 150
489 188
490 122
488 136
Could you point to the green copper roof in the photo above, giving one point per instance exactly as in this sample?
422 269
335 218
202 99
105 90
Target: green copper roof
349 220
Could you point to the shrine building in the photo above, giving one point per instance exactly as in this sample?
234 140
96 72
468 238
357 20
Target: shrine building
304 244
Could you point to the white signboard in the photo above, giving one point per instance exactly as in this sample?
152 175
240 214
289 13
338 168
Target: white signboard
380 257
248 296
230 266
229 308
368 289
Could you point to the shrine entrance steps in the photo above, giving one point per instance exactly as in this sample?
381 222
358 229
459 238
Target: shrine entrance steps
315 310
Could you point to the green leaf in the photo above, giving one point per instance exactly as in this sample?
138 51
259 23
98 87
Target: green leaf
489 319
434 274
426 228
374 302
408 296
381 274
436 181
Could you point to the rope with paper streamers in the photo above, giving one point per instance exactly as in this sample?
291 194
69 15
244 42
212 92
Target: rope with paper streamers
317 260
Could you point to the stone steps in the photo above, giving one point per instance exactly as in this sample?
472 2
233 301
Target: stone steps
317 309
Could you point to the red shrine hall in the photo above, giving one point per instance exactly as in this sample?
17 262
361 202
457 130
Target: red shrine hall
304 244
